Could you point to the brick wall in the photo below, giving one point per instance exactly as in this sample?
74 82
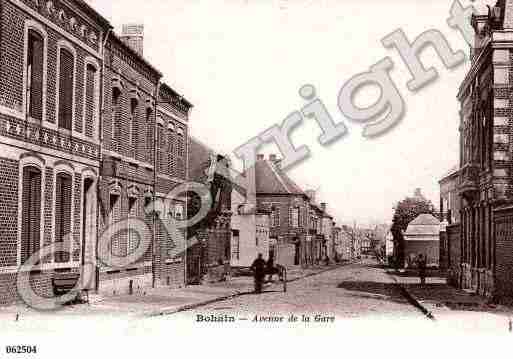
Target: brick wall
503 222
8 212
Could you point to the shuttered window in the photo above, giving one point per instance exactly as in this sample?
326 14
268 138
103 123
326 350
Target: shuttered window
160 148
116 95
35 75
132 135
66 89
90 100
31 212
63 214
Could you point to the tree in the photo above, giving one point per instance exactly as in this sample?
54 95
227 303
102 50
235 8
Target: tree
405 212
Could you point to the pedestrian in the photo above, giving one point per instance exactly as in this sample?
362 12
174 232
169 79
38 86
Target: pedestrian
258 268
270 267
421 264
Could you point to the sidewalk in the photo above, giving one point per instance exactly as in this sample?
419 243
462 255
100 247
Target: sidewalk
162 301
437 296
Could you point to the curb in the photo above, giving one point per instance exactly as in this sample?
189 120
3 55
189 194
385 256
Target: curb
412 299
187 307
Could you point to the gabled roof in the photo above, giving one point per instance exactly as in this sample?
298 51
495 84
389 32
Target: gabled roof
271 179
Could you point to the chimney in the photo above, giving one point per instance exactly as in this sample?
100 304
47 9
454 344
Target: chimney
133 36
323 206
272 158
260 157
417 193
507 5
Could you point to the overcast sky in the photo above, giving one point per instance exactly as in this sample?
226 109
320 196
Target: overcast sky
242 62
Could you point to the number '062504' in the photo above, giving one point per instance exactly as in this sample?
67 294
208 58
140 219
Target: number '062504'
21 349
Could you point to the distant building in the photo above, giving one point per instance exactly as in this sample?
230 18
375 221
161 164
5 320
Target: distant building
450 201
422 237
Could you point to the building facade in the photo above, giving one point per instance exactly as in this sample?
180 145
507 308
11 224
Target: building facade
78 107
51 58
486 265
289 207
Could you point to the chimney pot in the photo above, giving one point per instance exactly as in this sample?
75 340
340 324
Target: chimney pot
260 157
133 36
272 157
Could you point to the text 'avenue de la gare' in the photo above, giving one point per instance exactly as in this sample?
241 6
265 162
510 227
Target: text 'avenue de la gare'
292 318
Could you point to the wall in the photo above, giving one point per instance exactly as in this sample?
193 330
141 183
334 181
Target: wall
429 248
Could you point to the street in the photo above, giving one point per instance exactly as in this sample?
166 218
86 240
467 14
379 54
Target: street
354 290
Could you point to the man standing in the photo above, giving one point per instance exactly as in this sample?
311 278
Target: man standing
421 263
258 268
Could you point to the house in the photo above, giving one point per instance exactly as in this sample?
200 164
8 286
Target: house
49 140
250 225
79 106
289 206
209 239
422 236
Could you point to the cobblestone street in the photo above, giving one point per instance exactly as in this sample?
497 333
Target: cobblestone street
355 290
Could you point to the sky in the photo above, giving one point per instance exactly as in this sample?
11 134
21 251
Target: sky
242 62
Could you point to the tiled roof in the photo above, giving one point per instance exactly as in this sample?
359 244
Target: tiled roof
272 179
424 225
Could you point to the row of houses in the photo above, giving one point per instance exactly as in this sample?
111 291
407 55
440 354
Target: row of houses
476 196
92 136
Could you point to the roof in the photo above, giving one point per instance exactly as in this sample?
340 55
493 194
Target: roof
454 170
271 179
199 160
424 227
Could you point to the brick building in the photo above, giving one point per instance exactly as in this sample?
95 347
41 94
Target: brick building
485 185
171 174
209 239
289 207
51 58
78 108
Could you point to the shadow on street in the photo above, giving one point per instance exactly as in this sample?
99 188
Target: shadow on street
375 290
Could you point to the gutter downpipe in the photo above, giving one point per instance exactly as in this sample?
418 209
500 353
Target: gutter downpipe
154 215
100 136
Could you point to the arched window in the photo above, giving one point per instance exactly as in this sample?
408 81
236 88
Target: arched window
66 86
63 188
35 74
90 100
31 212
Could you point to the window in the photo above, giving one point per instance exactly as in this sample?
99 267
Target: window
66 89
116 95
294 217
63 214
132 128
179 211
276 216
160 147
35 75
235 244
31 212
113 212
149 135
90 100
171 162
132 234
